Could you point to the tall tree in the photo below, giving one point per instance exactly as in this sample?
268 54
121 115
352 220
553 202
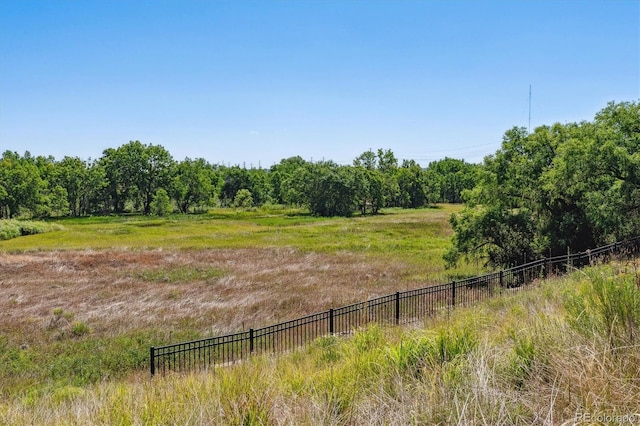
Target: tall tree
71 174
21 186
235 179
563 187
193 184
135 171
453 177
330 190
284 178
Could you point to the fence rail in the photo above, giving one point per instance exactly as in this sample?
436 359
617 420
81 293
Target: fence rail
398 308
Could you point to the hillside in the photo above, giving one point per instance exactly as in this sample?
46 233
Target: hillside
564 351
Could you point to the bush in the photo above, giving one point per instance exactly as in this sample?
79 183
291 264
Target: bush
161 204
15 228
243 199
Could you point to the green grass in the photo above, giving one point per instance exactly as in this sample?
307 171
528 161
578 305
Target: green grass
180 275
417 237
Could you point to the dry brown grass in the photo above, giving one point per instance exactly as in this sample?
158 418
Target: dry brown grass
111 290
519 359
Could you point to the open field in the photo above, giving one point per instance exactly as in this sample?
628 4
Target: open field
73 301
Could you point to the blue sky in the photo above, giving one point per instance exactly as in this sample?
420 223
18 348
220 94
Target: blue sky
253 82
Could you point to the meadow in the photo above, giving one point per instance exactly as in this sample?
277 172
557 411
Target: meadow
84 302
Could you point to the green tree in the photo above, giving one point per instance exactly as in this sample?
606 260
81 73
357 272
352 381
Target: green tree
94 193
21 185
235 178
193 184
452 178
260 186
157 172
367 160
368 183
135 172
415 190
285 180
243 199
562 188
388 167
71 174
330 190
161 203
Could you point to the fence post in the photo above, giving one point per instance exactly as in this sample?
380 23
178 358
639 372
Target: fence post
331 321
152 358
453 293
501 278
251 340
397 307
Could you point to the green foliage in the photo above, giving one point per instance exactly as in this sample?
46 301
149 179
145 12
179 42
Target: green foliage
500 236
80 328
415 190
446 345
563 187
330 190
235 179
452 177
195 184
522 358
16 228
127 178
161 203
21 185
243 199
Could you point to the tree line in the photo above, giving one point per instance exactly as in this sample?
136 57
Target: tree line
141 178
562 188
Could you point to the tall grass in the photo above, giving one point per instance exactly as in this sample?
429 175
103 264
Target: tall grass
83 304
10 228
536 357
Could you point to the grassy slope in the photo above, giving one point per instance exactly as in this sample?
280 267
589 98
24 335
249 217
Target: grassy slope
550 355
84 303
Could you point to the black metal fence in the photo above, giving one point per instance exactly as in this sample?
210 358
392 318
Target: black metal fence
398 308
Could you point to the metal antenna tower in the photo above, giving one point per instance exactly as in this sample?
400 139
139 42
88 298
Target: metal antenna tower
529 128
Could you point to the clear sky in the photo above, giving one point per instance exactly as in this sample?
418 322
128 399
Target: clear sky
254 82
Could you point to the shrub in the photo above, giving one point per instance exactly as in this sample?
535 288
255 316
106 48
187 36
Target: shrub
243 199
10 228
161 204
80 328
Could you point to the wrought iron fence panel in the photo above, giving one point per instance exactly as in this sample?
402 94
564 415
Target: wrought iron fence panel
398 308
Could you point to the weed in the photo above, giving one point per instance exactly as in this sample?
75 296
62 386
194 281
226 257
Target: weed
180 275
79 329
607 306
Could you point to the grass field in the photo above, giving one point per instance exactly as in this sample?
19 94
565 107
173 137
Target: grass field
82 303
85 301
